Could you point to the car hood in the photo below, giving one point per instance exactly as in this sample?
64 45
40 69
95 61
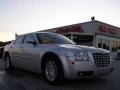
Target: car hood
86 48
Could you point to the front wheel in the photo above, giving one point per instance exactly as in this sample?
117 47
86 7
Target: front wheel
53 72
8 65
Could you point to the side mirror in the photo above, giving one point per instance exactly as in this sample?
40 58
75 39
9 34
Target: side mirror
32 42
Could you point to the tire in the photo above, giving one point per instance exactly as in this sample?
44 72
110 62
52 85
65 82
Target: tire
8 64
52 71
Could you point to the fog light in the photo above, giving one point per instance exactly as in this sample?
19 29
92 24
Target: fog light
85 73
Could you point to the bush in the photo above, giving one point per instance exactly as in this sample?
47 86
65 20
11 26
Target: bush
1 51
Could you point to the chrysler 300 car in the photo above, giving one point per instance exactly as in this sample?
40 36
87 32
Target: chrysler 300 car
56 57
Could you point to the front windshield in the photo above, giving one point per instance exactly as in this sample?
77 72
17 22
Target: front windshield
52 38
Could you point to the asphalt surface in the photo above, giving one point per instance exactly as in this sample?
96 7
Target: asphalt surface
26 80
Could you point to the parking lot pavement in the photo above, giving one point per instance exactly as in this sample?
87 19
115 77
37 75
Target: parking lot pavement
26 80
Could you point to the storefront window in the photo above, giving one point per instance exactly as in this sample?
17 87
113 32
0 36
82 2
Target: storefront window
104 43
118 45
81 39
107 44
99 43
114 46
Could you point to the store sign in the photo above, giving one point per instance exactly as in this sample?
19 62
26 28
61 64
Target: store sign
106 29
69 29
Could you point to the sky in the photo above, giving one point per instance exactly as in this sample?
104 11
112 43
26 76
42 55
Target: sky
24 16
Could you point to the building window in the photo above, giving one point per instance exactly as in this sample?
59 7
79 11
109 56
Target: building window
107 44
104 43
100 43
81 39
114 46
118 45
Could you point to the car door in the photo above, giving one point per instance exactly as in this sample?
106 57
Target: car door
16 51
31 53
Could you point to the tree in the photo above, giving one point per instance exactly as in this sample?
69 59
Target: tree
4 43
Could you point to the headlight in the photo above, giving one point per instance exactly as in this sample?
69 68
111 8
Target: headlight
81 56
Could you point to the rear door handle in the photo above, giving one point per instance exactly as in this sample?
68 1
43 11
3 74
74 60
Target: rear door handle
21 47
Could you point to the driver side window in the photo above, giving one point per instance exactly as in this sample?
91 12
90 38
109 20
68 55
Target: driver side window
29 38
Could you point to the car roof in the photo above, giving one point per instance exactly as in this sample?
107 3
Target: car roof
36 33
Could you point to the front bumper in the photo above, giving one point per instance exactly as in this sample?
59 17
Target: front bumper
84 69
96 73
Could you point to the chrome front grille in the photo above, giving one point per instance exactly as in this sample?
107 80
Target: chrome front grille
101 59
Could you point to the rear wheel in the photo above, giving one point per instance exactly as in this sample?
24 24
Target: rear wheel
8 64
52 71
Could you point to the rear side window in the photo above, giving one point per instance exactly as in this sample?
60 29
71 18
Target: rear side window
19 40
